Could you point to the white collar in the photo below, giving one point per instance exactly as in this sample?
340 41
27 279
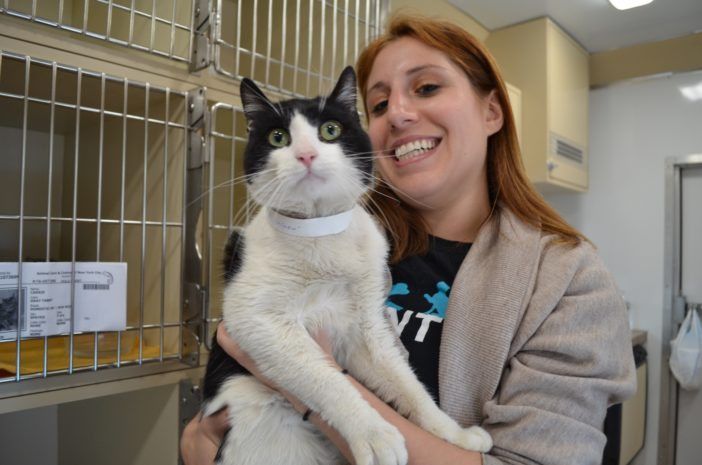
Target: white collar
310 227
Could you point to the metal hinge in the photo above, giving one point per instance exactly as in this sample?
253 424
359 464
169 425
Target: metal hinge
197 128
194 238
201 52
190 398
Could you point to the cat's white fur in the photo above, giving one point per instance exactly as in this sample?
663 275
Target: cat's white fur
289 287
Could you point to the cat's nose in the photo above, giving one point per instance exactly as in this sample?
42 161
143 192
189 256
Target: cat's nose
306 158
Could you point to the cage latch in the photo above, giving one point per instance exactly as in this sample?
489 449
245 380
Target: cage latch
202 14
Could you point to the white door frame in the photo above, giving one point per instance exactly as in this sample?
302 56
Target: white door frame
673 302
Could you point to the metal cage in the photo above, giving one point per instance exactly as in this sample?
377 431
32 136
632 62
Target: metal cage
227 203
102 168
94 169
162 27
301 56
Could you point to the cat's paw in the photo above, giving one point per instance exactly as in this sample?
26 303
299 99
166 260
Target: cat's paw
473 438
381 444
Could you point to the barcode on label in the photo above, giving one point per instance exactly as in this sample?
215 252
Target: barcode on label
96 287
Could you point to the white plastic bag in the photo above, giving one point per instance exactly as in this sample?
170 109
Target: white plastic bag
686 352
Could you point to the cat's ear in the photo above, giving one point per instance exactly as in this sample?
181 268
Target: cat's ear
253 100
345 90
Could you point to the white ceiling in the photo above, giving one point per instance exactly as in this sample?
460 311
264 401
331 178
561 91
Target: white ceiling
596 24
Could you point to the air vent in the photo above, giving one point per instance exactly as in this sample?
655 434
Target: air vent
566 149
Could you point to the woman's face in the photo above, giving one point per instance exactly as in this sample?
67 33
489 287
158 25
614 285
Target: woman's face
431 126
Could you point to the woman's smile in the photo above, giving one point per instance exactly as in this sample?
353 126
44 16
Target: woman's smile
413 149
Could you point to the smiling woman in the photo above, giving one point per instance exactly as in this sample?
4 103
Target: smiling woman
533 340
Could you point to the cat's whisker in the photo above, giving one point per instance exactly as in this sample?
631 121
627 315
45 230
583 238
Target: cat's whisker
350 185
379 213
227 183
375 153
270 198
397 189
247 207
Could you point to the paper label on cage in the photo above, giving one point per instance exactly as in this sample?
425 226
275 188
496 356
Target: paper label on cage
100 298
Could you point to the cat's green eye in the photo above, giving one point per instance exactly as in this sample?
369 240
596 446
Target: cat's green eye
279 138
329 131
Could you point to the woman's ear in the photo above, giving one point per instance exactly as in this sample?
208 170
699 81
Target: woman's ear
494 117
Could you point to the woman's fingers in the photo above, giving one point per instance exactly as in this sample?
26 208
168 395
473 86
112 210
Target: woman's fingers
214 426
228 344
201 438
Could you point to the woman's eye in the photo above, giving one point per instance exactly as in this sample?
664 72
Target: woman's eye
379 107
279 138
329 131
427 89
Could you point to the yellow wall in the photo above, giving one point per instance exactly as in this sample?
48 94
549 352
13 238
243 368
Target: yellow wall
674 55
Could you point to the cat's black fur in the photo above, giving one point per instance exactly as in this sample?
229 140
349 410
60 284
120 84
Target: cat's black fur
220 365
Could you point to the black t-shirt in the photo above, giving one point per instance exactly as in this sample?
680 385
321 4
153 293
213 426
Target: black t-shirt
417 304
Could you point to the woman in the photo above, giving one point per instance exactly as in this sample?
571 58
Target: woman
533 343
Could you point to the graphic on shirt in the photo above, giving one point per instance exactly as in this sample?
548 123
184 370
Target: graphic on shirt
397 289
434 314
438 301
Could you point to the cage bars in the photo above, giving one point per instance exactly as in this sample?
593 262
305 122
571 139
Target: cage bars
237 55
34 104
227 126
283 59
90 23
21 301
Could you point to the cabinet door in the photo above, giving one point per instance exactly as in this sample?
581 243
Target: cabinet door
568 89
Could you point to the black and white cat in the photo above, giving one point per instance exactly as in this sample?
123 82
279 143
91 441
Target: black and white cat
313 258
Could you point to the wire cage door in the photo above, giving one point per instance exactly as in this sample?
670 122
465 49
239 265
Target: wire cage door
93 170
162 27
291 47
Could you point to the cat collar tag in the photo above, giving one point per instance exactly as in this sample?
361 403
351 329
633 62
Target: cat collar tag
310 227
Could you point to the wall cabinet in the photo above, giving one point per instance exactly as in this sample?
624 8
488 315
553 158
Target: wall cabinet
551 70
515 101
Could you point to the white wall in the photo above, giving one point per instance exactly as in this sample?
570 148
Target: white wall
634 127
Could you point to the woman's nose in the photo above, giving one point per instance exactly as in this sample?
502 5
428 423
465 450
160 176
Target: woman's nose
401 112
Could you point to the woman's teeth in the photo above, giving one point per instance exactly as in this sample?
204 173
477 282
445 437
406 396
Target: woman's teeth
414 149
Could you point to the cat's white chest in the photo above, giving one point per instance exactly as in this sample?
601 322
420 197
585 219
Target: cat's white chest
325 304
315 283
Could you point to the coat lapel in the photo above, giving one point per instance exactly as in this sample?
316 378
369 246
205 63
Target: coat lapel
487 301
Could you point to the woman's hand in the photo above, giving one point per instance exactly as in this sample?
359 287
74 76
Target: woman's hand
201 438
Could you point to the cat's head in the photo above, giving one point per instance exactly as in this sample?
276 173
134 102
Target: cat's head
307 156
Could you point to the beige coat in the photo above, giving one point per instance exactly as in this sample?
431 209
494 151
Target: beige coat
535 346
